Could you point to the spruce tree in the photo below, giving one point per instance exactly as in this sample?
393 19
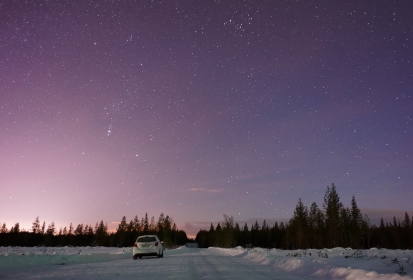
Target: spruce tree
365 231
146 224
407 232
345 227
160 225
246 236
100 234
299 227
332 206
355 224
167 227
316 226
152 226
227 237
136 225
121 232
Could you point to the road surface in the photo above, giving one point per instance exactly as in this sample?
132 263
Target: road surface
195 263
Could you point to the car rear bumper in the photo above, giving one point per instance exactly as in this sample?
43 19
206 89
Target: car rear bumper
145 254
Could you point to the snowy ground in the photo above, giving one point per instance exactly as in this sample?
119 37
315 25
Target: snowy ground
212 263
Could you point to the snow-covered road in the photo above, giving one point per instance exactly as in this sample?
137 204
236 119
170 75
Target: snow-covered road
212 263
183 263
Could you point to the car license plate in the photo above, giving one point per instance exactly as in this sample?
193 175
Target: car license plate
146 245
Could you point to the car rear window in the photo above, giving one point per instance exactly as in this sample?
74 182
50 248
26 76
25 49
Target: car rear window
146 239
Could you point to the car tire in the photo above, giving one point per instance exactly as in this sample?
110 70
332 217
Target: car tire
135 257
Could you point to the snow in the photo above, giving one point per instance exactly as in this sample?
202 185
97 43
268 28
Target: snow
211 263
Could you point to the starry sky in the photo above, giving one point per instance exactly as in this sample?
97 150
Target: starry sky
203 108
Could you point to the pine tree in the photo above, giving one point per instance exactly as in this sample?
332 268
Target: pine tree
121 232
211 235
355 224
79 230
16 228
160 225
122 225
85 230
345 227
407 231
365 231
299 227
406 221
202 238
36 226
227 238
49 236
246 237
146 224
265 235
283 237
51 229
136 225
4 228
255 229
101 232
43 228
152 226
174 234
332 206
167 228
277 235
316 226
79 237
395 234
218 236
237 235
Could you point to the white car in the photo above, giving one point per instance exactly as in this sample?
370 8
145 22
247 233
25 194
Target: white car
147 245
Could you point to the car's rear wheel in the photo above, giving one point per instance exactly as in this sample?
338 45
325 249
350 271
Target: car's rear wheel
135 257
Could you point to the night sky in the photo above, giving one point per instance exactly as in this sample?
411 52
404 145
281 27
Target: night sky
203 108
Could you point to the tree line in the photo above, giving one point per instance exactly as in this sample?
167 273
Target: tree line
87 235
311 227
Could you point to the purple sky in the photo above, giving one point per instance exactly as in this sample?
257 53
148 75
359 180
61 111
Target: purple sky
113 108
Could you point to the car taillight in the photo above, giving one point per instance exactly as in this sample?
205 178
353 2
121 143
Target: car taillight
156 244
135 245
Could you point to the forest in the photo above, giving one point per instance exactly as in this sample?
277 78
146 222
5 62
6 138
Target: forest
310 227
87 235
332 226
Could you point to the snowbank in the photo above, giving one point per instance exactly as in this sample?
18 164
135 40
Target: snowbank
31 256
337 263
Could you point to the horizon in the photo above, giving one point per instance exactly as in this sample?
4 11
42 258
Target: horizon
374 215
